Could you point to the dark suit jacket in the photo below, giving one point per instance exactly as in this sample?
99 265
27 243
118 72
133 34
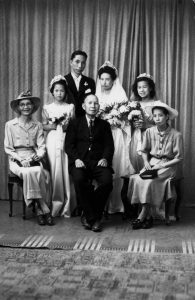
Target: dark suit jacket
87 86
77 142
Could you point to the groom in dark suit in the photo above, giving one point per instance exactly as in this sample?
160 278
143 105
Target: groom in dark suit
79 85
90 148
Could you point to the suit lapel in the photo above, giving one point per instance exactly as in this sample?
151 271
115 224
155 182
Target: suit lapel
96 126
71 84
84 127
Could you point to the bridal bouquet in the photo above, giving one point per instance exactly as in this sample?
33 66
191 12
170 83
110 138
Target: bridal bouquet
120 114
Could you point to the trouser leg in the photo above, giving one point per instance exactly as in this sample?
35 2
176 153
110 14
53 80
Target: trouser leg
103 176
84 191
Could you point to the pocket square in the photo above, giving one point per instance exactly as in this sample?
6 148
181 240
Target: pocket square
88 91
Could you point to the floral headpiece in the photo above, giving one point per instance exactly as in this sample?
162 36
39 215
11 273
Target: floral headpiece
57 78
145 75
107 63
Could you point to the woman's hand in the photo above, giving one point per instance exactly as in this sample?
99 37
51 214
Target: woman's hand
138 124
36 157
25 163
65 124
147 165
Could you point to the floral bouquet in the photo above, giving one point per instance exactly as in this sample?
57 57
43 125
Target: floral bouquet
60 120
136 114
120 114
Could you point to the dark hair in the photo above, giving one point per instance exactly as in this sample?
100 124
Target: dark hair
62 82
107 70
151 86
89 94
78 52
164 110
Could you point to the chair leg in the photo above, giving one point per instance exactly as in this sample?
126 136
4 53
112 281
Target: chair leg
10 192
34 208
24 209
178 201
167 212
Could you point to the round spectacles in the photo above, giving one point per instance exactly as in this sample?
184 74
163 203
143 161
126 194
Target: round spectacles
22 105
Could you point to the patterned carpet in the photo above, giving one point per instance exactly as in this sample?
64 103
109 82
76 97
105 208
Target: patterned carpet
87 274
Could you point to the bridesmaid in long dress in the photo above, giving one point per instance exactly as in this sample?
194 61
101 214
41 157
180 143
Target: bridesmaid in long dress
56 117
143 91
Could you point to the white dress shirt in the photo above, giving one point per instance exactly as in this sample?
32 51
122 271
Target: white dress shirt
76 80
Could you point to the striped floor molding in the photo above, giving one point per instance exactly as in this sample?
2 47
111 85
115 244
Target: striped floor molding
188 247
141 246
36 241
88 244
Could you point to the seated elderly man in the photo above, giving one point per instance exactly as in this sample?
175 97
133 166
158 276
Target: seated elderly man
90 148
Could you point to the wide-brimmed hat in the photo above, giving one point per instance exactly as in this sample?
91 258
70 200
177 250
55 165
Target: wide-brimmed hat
173 113
25 95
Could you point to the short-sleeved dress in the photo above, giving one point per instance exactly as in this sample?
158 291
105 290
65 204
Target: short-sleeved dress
161 147
63 195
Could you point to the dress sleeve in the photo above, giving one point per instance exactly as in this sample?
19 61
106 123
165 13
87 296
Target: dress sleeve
41 149
9 144
45 116
178 146
146 144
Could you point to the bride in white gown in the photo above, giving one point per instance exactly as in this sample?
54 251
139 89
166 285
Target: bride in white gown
110 92
56 117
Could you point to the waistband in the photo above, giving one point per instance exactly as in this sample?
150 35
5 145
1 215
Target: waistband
24 148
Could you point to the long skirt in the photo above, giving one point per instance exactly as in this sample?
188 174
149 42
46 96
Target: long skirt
152 191
63 193
36 182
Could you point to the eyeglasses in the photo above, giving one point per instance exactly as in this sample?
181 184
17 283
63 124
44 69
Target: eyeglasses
22 105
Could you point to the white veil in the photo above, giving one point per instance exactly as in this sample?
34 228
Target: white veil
116 94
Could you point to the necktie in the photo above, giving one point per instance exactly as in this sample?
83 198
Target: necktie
90 133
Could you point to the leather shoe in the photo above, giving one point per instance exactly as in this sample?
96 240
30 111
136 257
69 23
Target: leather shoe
76 212
49 219
148 223
86 224
41 220
137 224
97 226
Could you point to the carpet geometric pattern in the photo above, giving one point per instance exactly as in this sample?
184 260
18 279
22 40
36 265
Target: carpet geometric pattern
84 274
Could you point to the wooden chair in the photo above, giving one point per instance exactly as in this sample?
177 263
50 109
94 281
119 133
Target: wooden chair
177 183
14 179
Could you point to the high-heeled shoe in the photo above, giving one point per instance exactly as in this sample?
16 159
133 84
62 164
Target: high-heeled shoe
148 223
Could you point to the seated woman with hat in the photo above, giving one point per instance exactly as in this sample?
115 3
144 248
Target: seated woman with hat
162 151
25 146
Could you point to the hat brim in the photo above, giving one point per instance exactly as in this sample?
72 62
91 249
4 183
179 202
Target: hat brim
35 100
173 113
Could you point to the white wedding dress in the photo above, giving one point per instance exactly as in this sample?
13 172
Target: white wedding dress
63 194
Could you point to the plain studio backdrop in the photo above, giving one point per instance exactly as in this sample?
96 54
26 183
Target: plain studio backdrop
155 36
